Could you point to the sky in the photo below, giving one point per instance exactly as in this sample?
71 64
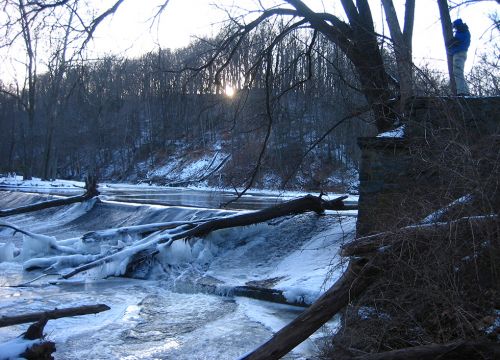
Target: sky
130 32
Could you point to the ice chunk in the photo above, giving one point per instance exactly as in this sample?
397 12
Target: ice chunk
36 245
7 252
58 262
14 348
395 133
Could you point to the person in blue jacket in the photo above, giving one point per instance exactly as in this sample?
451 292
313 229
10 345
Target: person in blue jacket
457 47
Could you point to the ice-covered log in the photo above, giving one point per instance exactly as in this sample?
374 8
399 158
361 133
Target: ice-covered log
121 256
296 206
42 240
189 230
265 294
144 229
58 262
90 192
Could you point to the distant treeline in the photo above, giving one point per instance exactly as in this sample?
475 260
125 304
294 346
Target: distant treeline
105 116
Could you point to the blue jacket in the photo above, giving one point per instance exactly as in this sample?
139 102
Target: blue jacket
461 40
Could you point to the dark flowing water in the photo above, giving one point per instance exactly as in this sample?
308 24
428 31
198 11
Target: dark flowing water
177 196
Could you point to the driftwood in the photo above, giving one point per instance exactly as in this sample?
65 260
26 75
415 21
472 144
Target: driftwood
250 291
356 278
44 349
457 350
90 192
52 314
265 294
296 206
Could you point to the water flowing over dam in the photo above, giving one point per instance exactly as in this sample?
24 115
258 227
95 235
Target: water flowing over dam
186 304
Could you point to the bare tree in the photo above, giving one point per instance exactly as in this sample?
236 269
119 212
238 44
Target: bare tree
57 67
444 11
30 23
356 37
402 39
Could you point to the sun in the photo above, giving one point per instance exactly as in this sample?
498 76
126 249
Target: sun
229 91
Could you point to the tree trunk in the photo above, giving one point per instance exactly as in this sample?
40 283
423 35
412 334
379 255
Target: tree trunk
447 36
296 206
402 42
49 150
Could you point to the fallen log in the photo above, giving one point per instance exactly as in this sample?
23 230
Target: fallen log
145 229
377 242
296 206
51 241
90 192
248 291
457 350
441 214
265 294
357 277
52 314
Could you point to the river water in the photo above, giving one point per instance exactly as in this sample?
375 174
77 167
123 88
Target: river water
167 315
202 198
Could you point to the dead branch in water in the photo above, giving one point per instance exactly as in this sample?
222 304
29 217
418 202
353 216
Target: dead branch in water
90 192
52 314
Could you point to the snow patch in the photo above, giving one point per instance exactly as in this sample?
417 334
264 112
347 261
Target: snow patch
395 133
14 348
7 251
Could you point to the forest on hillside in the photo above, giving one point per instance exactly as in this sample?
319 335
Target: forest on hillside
292 120
114 114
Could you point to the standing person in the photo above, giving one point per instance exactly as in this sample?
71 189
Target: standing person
457 47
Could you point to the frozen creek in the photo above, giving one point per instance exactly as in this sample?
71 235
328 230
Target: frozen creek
169 313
